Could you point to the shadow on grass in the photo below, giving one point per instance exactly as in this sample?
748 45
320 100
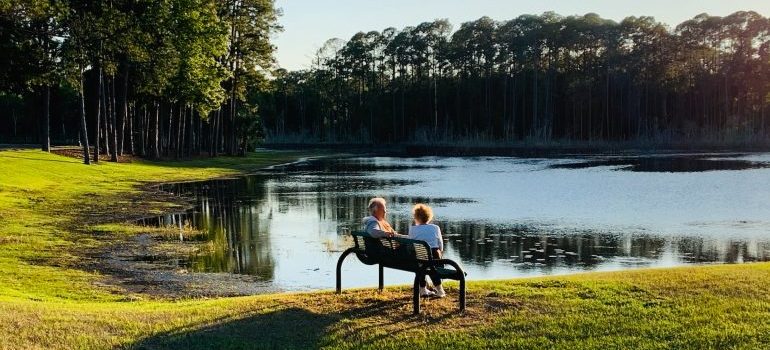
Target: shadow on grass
5 155
290 328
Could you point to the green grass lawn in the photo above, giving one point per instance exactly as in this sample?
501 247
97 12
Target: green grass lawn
49 206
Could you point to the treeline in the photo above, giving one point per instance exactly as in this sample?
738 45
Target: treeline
155 78
536 77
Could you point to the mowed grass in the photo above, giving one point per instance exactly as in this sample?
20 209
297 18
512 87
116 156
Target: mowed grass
49 204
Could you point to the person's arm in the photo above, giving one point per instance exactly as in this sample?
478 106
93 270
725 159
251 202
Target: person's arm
396 234
373 229
376 233
393 233
440 240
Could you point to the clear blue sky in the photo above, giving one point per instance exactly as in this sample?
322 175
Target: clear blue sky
309 23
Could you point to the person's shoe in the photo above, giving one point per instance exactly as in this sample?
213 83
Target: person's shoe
440 293
424 292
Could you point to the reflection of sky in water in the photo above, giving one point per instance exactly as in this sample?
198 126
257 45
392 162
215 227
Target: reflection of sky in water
502 217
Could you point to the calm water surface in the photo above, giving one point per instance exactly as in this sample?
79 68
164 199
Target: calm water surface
501 217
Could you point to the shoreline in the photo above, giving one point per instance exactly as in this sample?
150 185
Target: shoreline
150 273
514 150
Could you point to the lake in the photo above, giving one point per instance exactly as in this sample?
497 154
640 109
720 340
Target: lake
502 217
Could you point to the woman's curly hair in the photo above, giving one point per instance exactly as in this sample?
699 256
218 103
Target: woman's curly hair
423 213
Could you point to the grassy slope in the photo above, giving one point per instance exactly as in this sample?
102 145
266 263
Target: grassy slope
46 304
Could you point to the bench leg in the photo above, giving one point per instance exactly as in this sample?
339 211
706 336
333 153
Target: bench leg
339 268
382 278
416 294
462 292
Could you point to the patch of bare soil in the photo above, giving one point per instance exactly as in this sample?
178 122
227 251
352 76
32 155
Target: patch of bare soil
156 267
147 261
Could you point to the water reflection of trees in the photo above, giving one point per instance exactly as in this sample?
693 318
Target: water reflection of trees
485 243
724 250
235 216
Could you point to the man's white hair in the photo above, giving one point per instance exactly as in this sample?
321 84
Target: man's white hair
376 201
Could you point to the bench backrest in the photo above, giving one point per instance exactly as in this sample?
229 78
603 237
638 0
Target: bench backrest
392 251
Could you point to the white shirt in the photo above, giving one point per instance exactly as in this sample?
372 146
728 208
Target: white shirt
429 233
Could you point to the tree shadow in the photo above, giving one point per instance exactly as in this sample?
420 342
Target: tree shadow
5 155
293 328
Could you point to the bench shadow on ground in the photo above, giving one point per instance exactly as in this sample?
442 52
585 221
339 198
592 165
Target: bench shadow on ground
293 328
290 328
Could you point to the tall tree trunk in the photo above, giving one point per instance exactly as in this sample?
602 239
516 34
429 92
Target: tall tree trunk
124 114
46 129
435 103
513 105
210 133
403 111
393 105
534 128
230 123
179 131
106 116
113 122
198 139
607 105
589 126
145 129
190 127
505 126
97 141
169 144
131 116
83 122
155 132
217 131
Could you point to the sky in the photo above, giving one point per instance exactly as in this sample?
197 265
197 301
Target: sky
309 23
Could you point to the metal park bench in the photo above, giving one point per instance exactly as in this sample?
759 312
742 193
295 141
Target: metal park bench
405 255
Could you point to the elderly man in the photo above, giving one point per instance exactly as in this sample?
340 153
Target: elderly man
375 224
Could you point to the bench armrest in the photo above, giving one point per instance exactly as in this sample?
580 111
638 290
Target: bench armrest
452 263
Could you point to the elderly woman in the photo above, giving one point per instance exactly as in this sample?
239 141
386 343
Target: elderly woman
375 224
424 230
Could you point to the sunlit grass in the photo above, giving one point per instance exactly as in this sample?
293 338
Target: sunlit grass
47 302
45 199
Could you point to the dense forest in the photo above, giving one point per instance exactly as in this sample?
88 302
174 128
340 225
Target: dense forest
178 78
539 78
155 78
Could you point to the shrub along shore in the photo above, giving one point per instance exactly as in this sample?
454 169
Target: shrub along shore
51 207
